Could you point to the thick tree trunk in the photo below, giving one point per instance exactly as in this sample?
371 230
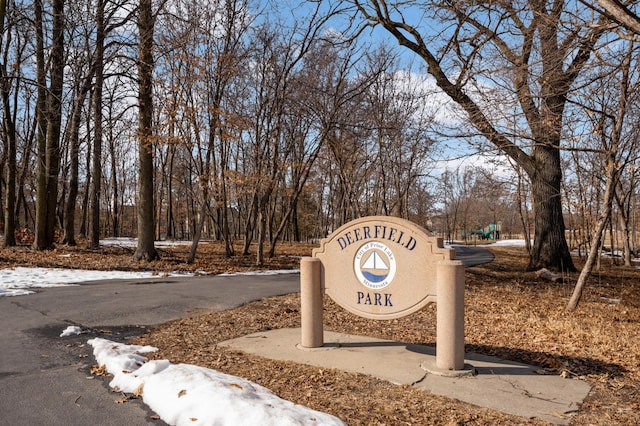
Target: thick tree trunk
96 188
55 117
49 142
40 242
550 249
10 138
146 248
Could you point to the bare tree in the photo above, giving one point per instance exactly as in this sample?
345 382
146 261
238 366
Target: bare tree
49 139
278 54
146 248
83 66
311 121
94 229
544 54
9 81
612 145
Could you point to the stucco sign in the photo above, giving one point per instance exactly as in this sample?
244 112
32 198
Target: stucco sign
381 267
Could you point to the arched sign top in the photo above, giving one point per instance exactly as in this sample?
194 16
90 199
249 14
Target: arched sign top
381 267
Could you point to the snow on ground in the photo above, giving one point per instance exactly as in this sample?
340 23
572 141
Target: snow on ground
503 243
509 243
133 242
184 394
20 280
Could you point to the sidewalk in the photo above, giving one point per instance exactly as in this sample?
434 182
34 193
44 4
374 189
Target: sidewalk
506 386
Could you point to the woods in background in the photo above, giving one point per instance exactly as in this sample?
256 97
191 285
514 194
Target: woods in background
263 121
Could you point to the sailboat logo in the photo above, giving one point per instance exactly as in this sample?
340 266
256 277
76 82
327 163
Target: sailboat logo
375 265
375 269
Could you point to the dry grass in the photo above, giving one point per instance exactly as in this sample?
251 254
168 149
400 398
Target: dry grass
509 314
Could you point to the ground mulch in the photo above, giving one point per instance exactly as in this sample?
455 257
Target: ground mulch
509 313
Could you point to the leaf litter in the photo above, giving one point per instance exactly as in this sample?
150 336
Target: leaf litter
509 314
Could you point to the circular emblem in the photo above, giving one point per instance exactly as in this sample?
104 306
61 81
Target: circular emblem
375 265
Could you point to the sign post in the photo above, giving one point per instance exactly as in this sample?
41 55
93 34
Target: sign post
311 302
381 267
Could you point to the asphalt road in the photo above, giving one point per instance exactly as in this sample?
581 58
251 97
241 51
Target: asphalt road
473 255
45 379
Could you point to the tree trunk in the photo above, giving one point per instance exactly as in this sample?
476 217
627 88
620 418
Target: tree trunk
9 128
226 234
50 113
21 199
171 226
10 189
40 242
74 142
621 14
250 224
85 200
550 249
262 230
146 248
94 230
9 209
522 213
55 117
624 206
116 190
198 233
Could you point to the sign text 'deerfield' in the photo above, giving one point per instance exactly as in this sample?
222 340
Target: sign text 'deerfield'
376 232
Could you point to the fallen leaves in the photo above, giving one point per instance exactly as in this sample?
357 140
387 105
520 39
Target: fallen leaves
210 259
98 370
509 313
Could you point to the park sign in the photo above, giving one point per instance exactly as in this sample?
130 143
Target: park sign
382 268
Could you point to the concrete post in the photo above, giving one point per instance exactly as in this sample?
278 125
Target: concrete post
311 302
450 315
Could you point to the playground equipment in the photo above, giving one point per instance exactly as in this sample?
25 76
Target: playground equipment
489 232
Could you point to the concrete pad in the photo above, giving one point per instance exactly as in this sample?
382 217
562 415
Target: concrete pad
505 386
